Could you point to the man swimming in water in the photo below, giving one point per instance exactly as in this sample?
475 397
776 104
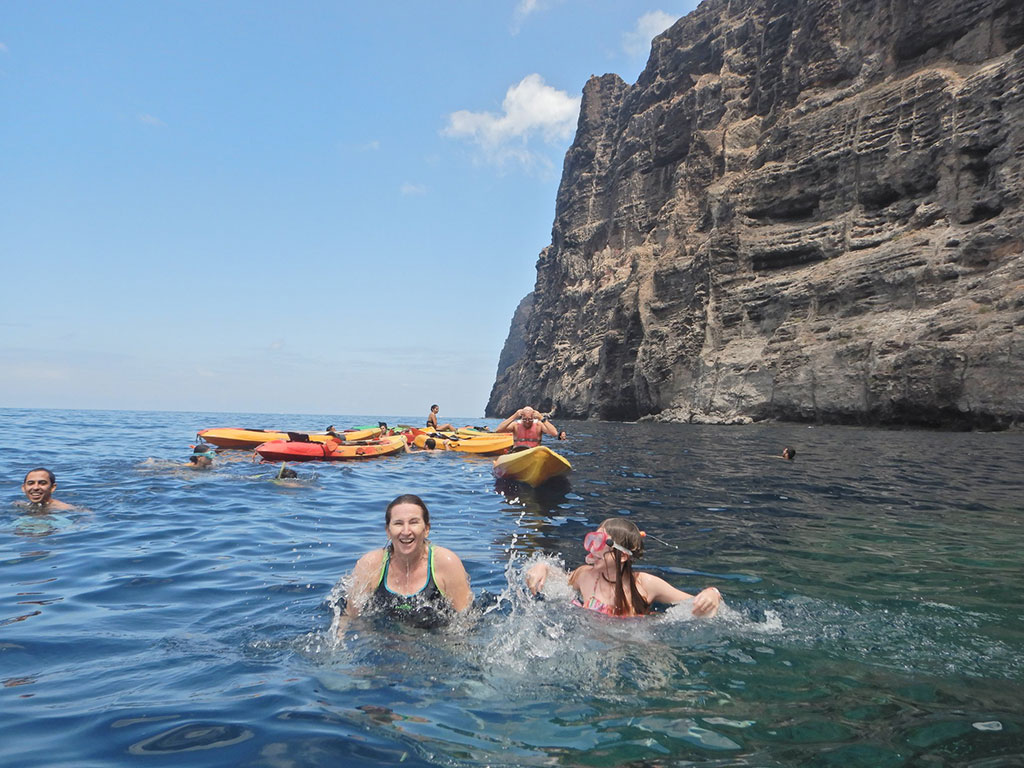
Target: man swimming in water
38 488
528 430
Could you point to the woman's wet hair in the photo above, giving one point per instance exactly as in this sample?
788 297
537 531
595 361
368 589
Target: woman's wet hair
407 498
288 473
202 448
625 533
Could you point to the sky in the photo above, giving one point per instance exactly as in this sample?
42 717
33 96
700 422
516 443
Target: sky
270 207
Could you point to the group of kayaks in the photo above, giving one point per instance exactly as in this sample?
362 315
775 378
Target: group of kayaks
533 466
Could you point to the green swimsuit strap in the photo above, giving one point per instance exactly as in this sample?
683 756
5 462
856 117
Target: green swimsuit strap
384 566
430 566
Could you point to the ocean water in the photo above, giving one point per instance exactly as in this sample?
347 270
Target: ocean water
872 593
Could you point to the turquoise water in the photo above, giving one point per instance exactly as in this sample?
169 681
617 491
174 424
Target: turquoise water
873 590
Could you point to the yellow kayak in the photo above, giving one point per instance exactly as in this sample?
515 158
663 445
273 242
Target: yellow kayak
229 437
533 466
479 444
367 433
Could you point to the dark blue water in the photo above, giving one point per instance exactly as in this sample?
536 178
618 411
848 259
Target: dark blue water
873 590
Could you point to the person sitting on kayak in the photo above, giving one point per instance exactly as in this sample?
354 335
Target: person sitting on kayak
38 487
410 579
607 583
432 421
526 428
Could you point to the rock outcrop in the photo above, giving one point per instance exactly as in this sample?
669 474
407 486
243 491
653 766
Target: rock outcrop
801 210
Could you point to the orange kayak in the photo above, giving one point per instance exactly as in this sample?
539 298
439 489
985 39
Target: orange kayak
482 444
248 439
332 450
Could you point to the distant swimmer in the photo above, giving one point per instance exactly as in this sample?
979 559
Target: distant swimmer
429 444
410 580
288 477
432 420
562 435
527 428
202 457
789 453
38 488
607 583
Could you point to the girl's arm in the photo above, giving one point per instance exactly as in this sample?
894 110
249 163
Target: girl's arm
660 591
538 574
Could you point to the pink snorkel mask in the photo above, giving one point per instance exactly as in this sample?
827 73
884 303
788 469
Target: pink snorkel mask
596 542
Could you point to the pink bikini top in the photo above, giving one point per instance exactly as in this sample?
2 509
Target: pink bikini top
593 604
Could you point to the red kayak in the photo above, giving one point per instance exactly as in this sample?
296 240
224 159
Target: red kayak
333 450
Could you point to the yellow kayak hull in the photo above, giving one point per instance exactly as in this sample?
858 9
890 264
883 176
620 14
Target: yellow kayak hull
534 466
248 439
481 444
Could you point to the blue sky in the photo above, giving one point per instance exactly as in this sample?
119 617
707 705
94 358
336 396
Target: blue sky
304 207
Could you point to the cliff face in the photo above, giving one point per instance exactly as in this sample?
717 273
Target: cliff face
802 210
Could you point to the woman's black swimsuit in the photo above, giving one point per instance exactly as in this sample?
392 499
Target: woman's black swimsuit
426 608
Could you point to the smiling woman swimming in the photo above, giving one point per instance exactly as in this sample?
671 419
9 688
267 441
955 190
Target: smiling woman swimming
607 583
410 579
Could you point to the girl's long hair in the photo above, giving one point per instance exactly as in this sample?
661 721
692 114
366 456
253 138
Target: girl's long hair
627 535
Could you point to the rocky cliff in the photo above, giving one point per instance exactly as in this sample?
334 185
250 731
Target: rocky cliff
806 210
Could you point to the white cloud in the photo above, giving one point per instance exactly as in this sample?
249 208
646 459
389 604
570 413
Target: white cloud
151 120
638 41
409 189
526 8
531 110
371 146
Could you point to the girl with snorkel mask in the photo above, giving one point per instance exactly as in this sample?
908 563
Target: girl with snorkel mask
607 582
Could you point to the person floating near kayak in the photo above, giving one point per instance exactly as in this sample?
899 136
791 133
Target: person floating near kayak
410 579
202 457
38 487
432 420
607 582
527 428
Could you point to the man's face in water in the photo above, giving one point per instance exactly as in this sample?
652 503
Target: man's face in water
37 487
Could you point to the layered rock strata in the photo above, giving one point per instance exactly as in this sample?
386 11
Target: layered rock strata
801 210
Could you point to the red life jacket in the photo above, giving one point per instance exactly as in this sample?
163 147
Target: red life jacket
529 437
